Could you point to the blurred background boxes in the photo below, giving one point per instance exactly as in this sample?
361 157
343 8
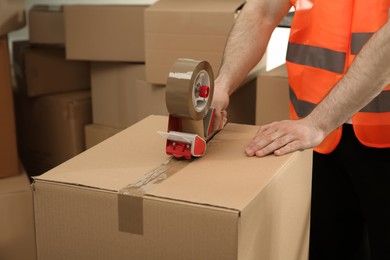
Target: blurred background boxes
12 15
46 25
42 70
104 32
190 29
9 162
51 128
120 97
272 96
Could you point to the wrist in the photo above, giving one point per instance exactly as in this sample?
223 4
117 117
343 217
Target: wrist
222 85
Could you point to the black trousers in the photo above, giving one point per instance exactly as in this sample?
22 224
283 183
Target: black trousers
350 214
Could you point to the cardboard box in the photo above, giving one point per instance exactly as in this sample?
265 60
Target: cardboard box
46 25
44 70
242 104
17 236
9 162
51 128
120 97
100 204
12 15
186 29
95 134
105 33
272 97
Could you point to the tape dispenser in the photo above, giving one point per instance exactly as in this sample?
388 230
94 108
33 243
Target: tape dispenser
189 92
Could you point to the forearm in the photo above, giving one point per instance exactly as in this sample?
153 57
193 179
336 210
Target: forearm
248 40
366 78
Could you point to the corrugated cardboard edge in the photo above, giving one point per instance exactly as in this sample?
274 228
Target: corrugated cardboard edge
248 249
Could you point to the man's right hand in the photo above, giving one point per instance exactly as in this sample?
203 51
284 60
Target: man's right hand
220 102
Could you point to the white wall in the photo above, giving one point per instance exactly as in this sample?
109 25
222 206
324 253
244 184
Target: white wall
276 48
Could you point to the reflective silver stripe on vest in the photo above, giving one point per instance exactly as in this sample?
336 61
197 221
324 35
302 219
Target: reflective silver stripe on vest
379 104
358 40
317 57
302 108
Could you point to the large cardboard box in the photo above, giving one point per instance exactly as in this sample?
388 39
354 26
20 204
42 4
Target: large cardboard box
46 25
105 33
12 15
186 29
9 162
51 128
120 96
272 96
45 70
123 199
17 236
95 134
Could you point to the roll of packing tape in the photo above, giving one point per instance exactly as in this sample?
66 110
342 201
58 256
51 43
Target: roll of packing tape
190 88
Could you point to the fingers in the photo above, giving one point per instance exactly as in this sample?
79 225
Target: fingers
220 119
270 139
266 142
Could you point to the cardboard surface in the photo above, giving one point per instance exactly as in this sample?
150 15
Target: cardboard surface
95 134
105 32
51 128
272 97
17 236
222 206
12 15
186 29
46 25
9 162
120 96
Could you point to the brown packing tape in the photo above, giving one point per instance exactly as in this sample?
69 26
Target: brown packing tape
182 95
130 198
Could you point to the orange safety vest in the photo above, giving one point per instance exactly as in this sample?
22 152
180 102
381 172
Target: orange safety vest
324 40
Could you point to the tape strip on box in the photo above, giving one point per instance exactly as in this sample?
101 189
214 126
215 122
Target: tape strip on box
130 198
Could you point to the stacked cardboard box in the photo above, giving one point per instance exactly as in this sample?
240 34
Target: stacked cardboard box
53 100
120 95
196 30
123 199
104 32
17 231
9 162
12 16
112 37
186 29
46 25
272 96
43 70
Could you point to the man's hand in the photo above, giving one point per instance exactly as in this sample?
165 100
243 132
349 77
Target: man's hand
220 103
285 137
